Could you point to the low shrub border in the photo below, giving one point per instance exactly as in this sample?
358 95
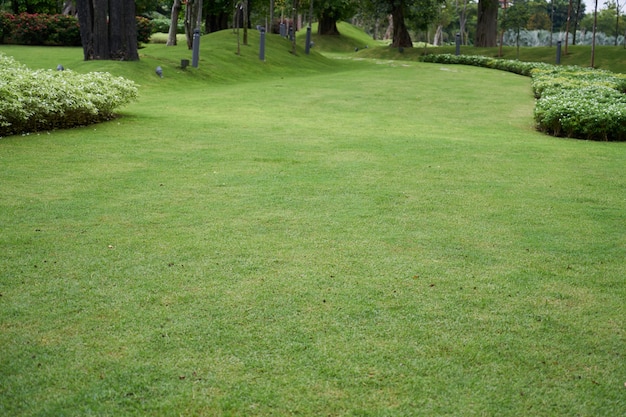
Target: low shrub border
44 99
53 29
574 102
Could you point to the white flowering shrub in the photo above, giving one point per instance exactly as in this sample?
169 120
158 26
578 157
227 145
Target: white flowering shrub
45 99
580 103
572 101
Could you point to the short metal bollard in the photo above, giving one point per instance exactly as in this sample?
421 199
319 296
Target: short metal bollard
458 44
262 45
196 48
558 53
307 47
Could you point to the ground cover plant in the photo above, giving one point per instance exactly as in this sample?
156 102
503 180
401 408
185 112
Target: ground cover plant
378 238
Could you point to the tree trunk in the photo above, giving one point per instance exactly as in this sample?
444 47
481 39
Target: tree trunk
171 35
389 32
327 25
68 8
100 30
438 38
108 29
85 17
487 25
401 37
191 19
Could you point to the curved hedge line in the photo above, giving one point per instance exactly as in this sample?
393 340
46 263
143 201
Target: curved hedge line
572 101
44 99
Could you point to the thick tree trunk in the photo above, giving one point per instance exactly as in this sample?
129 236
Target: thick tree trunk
401 37
327 25
108 29
171 36
100 30
85 17
487 25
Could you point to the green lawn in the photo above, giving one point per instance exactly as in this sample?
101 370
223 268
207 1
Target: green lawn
309 236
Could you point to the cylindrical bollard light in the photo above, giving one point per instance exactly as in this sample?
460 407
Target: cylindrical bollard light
458 44
558 53
196 48
262 45
307 47
283 30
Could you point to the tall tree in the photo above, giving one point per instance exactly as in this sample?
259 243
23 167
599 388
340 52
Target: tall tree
171 36
330 12
108 29
487 25
401 37
192 11
217 15
405 15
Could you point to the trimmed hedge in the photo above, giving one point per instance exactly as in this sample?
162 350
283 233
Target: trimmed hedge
44 99
53 29
39 29
571 101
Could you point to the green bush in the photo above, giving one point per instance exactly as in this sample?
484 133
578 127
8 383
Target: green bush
40 29
45 99
53 29
144 29
163 26
6 25
571 101
591 112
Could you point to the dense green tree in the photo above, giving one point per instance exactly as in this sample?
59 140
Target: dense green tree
217 14
372 17
405 15
32 6
606 21
329 12
516 18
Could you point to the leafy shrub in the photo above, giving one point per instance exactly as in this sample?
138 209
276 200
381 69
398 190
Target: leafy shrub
43 29
571 101
53 29
144 29
45 99
6 25
163 26
591 112
517 67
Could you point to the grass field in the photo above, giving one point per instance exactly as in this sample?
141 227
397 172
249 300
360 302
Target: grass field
310 236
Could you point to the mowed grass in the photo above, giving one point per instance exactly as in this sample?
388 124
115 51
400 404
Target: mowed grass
366 238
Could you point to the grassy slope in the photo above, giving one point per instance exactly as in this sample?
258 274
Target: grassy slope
218 62
377 241
607 57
